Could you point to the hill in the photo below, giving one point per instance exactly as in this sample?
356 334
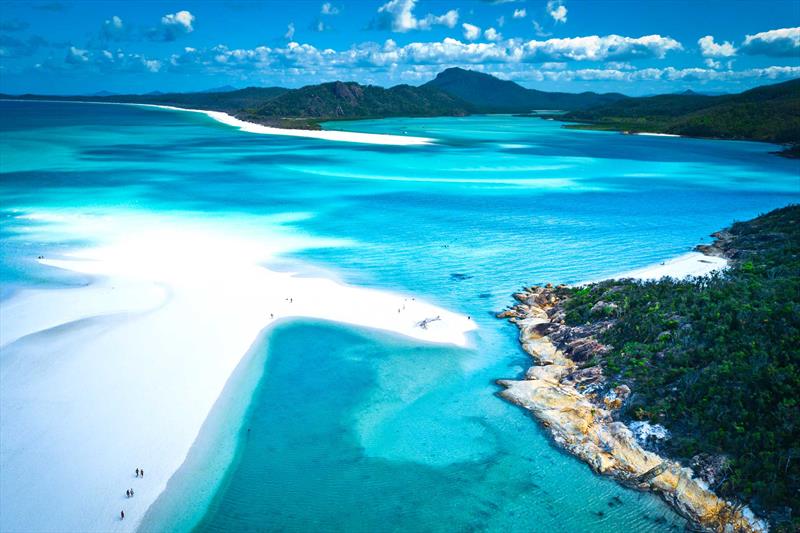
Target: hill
490 94
713 360
770 113
340 100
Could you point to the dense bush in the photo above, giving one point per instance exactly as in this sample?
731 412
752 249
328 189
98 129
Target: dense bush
717 359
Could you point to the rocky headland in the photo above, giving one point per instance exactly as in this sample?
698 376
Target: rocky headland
570 396
684 386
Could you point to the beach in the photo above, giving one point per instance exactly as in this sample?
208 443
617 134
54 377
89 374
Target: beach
682 266
128 367
328 135
121 373
149 257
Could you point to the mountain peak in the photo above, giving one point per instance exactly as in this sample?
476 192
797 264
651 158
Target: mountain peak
491 94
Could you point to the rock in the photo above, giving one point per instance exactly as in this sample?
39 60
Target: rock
550 391
647 433
581 350
603 308
710 468
584 376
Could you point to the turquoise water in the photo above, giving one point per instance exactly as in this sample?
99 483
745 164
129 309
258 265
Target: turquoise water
359 430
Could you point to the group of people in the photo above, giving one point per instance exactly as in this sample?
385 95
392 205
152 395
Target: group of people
129 493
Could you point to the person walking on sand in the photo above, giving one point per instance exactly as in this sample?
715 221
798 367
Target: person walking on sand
122 515
127 493
141 471
131 493
137 472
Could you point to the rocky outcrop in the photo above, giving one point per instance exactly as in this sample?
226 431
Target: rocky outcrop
565 396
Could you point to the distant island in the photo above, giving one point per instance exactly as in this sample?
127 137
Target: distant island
643 378
769 113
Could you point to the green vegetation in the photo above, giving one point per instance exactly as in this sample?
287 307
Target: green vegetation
489 94
770 113
339 101
717 360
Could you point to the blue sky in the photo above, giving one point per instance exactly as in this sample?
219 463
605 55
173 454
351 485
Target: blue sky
631 46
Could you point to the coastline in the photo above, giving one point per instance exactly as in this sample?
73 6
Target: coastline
327 135
144 353
251 127
560 394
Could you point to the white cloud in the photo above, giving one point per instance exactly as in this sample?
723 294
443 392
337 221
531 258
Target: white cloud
113 30
372 62
471 32
557 10
173 25
520 13
553 65
711 63
619 65
114 22
596 48
784 42
399 16
540 32
182 20
329 9
709 48
289 31
501 21
77 56
491 34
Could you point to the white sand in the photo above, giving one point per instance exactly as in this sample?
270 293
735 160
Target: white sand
648 134
122 373
683 266
329 135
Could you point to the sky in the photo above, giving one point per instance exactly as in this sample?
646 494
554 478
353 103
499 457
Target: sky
631 46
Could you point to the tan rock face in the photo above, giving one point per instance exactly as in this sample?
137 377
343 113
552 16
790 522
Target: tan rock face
551 392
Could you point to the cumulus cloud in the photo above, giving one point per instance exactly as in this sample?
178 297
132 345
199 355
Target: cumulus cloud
418 61
784 42
329 9
709 48
520 13
551 54
596 48
491 34
77 56
173 25
398 15
289 35
113 29
557 10
471 32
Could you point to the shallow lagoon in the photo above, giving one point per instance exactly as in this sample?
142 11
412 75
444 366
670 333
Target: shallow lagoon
353 429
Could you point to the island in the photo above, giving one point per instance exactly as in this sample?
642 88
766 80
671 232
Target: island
770 113
685 387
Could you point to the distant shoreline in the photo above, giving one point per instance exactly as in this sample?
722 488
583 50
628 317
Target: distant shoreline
251 127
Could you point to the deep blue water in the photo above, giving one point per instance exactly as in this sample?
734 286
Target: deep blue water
359 430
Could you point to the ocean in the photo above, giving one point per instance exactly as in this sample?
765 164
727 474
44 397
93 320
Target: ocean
335 427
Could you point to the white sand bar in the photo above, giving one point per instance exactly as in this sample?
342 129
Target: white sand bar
99 380
329 135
